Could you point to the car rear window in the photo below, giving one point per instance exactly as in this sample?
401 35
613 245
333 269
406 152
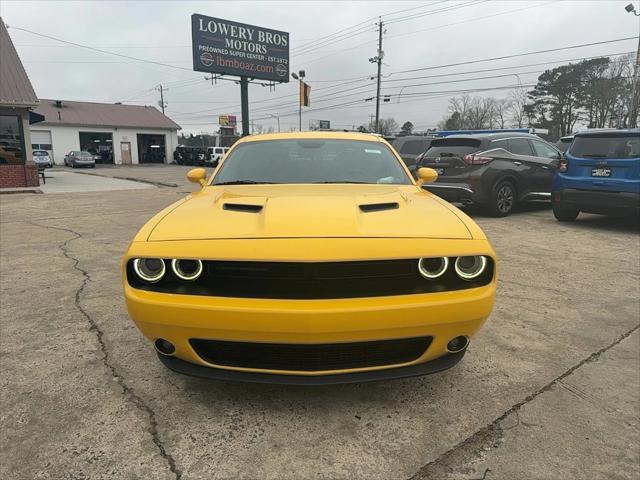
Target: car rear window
40 153
453 147
412 147
607 145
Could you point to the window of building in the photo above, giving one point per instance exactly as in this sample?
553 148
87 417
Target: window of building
11 141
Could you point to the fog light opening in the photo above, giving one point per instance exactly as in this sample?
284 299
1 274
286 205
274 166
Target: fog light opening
187 270
458 344
165 347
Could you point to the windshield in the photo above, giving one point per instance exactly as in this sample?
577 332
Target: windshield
40 153
610 145
84 155
311 161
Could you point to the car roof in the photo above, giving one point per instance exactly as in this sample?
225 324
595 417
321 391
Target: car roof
364 137
495 136
596 131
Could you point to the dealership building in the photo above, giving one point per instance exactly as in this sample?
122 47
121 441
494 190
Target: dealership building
118 134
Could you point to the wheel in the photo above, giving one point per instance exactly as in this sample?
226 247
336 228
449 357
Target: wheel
565 214
503 199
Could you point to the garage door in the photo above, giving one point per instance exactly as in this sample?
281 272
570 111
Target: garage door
41 140
41 137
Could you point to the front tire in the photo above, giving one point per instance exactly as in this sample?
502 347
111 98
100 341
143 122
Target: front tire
565 214
503 199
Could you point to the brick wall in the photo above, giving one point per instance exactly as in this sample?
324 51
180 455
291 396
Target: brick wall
12 176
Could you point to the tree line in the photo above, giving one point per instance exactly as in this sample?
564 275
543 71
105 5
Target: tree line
595 93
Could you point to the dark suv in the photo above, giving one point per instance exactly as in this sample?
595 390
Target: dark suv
494 170
410 146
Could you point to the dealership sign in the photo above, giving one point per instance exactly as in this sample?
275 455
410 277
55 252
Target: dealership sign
227 120
231 48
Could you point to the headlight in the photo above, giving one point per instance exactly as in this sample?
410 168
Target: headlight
432 268
188 270
470 268
150 270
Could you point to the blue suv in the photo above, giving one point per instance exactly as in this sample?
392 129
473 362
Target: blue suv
600 173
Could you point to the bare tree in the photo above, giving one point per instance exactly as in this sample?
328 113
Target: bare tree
386 126
518 100
501 110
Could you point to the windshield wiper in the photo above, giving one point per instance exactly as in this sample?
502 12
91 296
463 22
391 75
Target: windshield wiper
341 181
243 182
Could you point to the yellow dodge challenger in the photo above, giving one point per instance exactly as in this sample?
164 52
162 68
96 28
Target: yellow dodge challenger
310 258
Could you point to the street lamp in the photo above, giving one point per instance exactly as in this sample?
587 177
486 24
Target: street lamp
299 76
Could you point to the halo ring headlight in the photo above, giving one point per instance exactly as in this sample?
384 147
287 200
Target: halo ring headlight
471 267
186 271
430 269
151 270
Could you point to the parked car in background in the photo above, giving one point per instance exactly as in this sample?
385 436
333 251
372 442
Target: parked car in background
214 155
186 155
410 147
564 143
77 158
42 159
495 170
599 174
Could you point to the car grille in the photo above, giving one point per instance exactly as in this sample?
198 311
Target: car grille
310 357
312 280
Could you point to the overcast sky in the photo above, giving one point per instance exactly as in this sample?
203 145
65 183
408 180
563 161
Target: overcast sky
418 35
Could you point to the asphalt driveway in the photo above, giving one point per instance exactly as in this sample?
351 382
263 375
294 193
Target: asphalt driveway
549 388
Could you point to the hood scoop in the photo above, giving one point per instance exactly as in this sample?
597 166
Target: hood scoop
242 207
379 207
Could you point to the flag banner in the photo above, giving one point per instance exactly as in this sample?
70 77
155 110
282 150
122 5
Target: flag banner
305 94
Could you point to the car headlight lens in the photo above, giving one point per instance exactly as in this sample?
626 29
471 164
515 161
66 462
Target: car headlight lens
432 268
470 268
150 270
187 270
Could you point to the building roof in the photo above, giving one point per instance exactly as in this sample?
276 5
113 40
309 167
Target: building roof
15 88
90 114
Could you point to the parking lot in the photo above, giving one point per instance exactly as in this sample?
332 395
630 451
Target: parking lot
549 388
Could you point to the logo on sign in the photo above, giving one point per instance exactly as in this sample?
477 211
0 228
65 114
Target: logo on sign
207 59
281 70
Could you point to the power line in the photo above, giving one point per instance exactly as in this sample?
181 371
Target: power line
504 57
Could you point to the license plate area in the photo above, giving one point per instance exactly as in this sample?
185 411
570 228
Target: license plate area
600 172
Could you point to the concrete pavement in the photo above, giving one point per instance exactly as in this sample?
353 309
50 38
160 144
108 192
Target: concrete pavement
549 388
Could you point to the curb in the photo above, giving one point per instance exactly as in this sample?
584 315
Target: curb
132 179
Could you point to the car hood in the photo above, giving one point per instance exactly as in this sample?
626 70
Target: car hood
310 211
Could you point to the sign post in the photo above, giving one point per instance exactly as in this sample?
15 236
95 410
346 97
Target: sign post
229 48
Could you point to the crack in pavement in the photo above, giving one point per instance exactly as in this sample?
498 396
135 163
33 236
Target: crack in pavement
490 435
93 327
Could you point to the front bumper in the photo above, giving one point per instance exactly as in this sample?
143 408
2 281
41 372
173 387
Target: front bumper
598 201
179 318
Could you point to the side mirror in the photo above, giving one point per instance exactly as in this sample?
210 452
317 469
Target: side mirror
426 175
197 175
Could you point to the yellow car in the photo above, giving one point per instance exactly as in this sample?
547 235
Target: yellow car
310 258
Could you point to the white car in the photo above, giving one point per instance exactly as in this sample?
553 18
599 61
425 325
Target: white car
42 159
215 154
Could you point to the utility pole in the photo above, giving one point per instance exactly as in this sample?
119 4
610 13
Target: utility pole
162 105
635 85
378 59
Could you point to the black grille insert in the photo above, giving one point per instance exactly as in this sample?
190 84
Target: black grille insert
310 280
310 357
